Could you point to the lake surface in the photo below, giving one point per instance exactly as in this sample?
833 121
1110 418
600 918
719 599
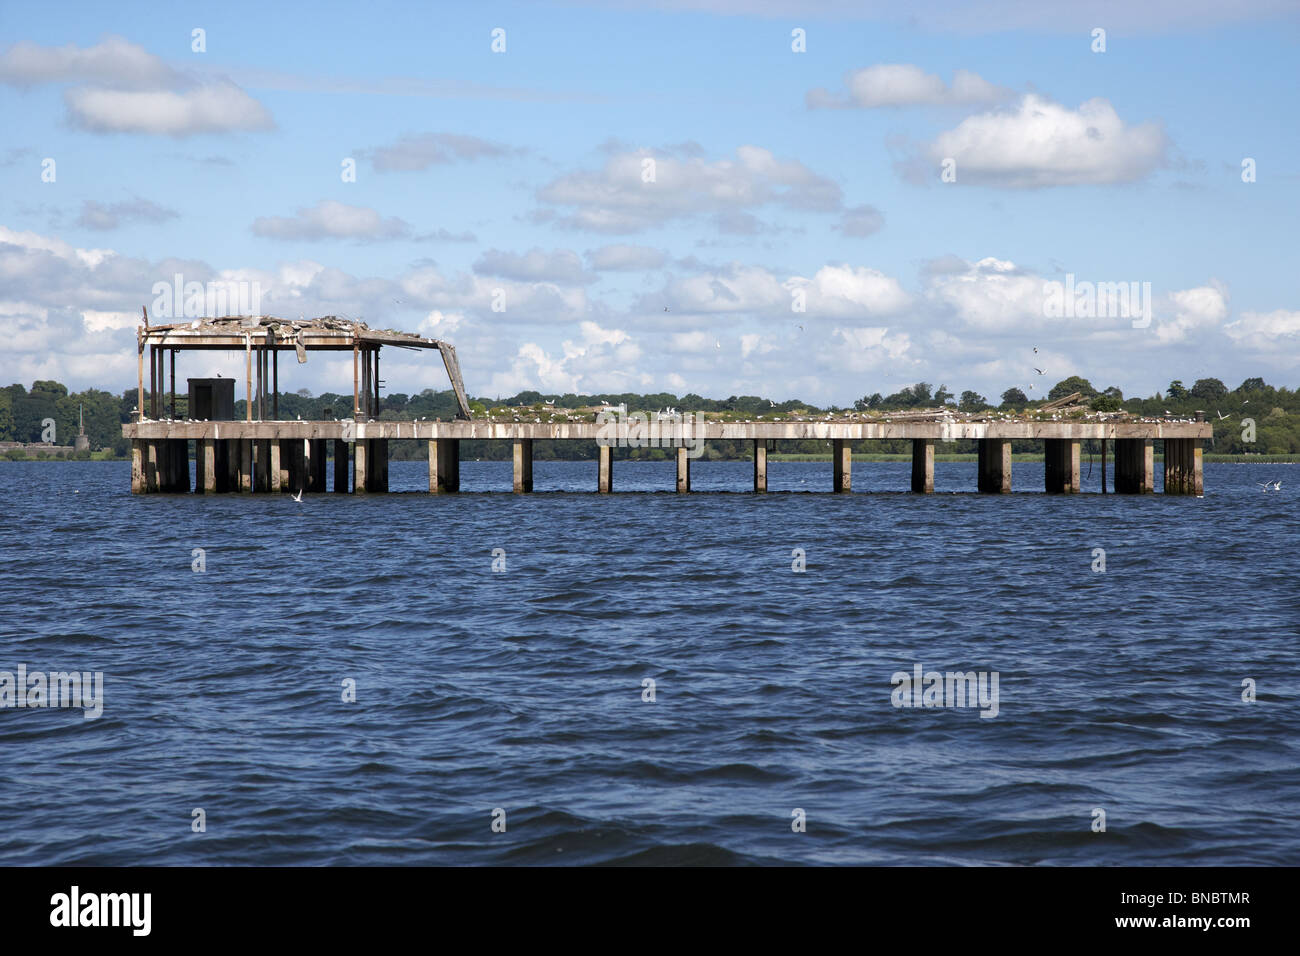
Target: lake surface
523 690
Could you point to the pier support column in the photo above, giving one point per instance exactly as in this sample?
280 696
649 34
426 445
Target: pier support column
360 466
923 465
683 470
316 465
995 465
275 464
205 466
605 471
138 454
262 476
246 465
151 466
293 465
1061 466
340 466
1135 468
523 465
376 465
760 464
444 465
1183 467
842 460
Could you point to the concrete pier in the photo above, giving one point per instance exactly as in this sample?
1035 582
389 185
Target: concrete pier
923 465
245 456
523 465
994 465
842 465
1061 466
605 470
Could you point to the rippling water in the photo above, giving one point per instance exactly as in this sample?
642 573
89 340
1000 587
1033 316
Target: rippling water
522 689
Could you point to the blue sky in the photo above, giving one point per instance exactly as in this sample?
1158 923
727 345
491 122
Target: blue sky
519 173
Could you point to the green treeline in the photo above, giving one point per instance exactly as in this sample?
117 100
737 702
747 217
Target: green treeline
1274 411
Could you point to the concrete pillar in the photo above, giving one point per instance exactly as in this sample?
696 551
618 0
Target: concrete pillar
293 466
523 465
262 474
138 455
340 466
246 465
232 464
995 465
360 462
317 465
275 464
605 471
760 464
923 465
842 460
1135 469
151 466
1060 466
377 465
1183 467
205 470
683 470
444 465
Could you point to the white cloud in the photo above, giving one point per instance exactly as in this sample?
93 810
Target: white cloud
625 258
560 265
330 219
106 216
1266 330
132 91
903 84
617 199
419 152
1041 143
1192 309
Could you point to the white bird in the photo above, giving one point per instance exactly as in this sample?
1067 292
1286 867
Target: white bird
550 401
717 345
1277 485
1035 349
1221 415
771 403
605 403
298 496
1039 371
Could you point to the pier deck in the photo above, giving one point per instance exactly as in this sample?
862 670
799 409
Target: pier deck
291 455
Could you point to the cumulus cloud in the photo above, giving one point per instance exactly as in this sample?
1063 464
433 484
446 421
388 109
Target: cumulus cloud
129 90
106 216
902 84
329 219
561 265
639 190
1266 330
861 221
625 258
417 152
1041 143
1191 310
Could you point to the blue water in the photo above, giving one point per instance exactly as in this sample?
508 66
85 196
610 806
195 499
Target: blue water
522 689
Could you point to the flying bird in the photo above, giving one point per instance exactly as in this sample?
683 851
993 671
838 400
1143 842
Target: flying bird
1039 371
298 496
1221 415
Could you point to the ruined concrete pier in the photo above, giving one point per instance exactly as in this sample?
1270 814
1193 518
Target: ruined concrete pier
281 456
